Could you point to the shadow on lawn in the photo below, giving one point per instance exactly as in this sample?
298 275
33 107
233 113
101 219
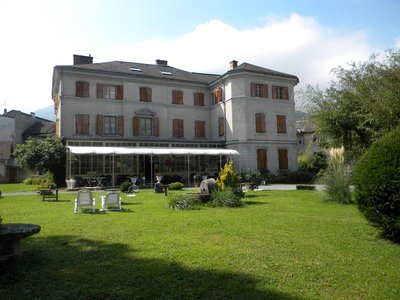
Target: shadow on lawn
68 267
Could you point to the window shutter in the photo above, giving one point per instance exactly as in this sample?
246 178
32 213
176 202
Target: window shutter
177 97
148 94
143 94
265 90
283 159
78 124
260 123
199 129
253 89
221 125
201 99
86 89
274 92
120 122
156 126
177 129
99 91
261 159
120 92
79 89
100 125
85 124
285 93
281 124
136 126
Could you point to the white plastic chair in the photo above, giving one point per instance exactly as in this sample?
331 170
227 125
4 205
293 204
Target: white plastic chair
111 198
84 198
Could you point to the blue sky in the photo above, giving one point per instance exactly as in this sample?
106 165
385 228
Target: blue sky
301 37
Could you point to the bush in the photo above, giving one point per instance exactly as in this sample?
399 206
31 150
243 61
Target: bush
311 163
45 181
176 186
228 178
124 187
226 198
252 176
183 201
377 184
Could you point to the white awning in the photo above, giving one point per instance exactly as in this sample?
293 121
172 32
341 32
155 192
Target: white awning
149 151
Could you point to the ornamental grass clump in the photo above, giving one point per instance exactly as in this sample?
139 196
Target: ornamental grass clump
183 202
337 177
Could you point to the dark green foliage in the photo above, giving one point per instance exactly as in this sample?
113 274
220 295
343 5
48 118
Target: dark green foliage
226 198
360 106
42 155
183 201
311 163
377 184
176 186
125 186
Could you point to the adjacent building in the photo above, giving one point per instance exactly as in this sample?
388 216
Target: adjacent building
124 118
15 128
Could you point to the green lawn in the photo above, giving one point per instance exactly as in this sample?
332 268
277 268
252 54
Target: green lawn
282 244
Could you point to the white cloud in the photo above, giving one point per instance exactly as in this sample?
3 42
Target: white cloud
397 43
297 45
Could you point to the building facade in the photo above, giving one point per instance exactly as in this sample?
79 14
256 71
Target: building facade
249 110
15 128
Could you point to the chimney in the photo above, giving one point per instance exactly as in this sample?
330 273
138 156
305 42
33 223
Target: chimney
161 62
233 64
5 111
82 59
33 115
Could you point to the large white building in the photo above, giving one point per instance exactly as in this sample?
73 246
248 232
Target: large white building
123 118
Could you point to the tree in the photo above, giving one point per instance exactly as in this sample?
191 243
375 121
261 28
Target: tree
360 106
43 155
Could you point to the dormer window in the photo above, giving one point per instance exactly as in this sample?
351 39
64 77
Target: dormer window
135 69
165 72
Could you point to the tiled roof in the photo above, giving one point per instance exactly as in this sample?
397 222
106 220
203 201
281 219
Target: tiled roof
5 150
41 129
246 67
146 70
168 72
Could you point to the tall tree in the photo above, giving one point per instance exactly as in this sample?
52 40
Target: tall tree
42 155
361 105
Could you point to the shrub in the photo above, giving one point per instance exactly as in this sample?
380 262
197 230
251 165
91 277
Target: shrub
228 178
312 163
183 201
377 184
45 181
124 187
337 177
226 198
176 186
252 176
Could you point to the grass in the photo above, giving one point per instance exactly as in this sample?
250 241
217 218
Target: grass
282 244
17 187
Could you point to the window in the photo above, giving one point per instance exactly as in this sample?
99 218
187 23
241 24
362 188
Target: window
221 126
177 128
145 126
82 89
199 129
260 123
259 90
110 125
145 94
281 123
283 159
177 97
198 99
217 96
106 91
280 92
81 124
261 159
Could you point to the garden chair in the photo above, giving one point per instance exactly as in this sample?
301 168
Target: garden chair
84 198
111 198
